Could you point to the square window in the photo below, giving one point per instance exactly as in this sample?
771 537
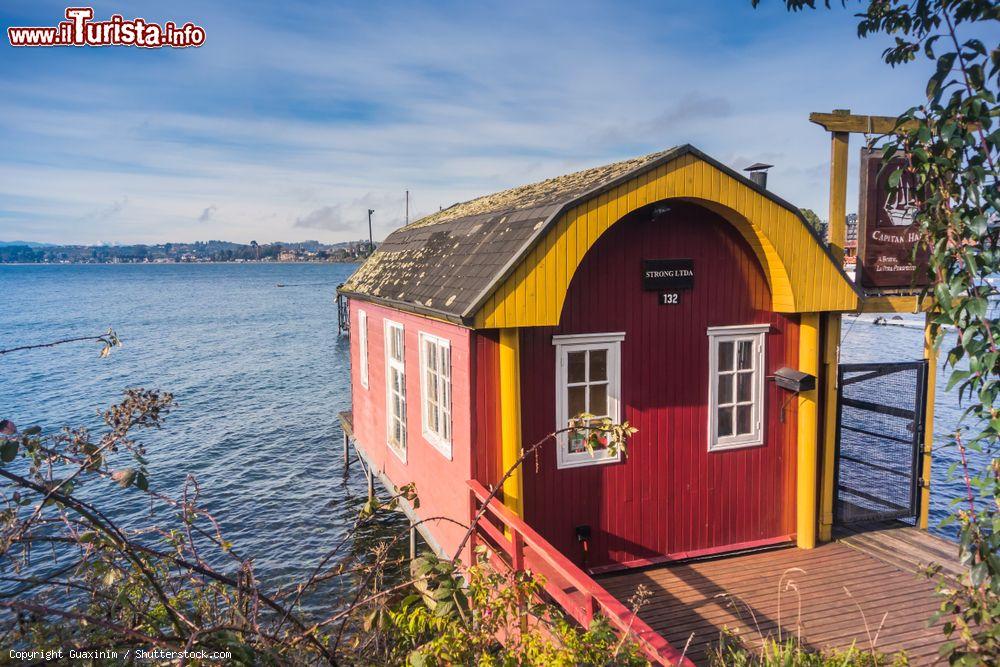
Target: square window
588 380
736 386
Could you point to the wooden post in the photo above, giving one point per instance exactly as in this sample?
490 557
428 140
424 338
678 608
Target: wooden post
413 541
510 416
808 432
474 535
831 362
930 354
839 145
371 484
347 451
517 563
517 555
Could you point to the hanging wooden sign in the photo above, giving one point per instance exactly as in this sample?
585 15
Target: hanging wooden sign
887 231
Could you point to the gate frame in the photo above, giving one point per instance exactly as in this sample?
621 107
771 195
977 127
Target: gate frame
878 369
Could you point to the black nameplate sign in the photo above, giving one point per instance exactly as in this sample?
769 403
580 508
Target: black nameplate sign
667 274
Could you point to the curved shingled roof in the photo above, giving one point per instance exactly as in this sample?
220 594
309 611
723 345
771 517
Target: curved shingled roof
446 264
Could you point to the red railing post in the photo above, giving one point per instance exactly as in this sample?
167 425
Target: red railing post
593 607
517 563
517 557
473 536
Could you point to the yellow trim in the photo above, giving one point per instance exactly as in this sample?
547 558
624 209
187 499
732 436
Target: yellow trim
800 274
807 457
510 416
831 358
930 354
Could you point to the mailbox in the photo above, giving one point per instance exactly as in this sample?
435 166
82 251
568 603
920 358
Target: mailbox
793 380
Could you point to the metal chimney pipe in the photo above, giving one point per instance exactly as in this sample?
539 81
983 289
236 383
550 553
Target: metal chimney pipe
758 173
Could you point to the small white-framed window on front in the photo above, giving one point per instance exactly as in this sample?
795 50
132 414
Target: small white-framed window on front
588 381
363 348
736 386
435 391
395 389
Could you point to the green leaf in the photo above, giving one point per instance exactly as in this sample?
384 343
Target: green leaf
978 574
8 451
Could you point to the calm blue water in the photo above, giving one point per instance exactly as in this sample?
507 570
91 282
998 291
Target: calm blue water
259 374
862 342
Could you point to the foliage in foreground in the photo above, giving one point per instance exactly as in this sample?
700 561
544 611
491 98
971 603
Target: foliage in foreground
731 652
951 145
73 578
457 618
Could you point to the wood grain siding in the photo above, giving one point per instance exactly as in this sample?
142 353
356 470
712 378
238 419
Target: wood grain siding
800 274
670 496
486 403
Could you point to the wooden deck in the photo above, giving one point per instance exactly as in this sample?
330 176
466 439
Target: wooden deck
832 593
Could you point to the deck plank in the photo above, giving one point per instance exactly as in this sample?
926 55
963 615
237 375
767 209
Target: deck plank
879 570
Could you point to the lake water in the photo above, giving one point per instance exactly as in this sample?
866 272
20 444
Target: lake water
258 371
259 374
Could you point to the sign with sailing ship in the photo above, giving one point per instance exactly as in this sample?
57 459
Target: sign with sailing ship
888 233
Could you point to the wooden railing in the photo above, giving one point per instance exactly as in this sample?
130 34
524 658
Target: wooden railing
570 587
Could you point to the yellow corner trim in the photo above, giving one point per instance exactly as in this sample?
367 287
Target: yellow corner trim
510 417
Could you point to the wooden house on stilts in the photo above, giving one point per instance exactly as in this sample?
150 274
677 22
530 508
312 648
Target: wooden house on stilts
668 291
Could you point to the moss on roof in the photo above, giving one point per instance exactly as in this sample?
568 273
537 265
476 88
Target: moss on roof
540 193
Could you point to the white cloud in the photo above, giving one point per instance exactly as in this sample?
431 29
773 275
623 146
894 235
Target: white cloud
338 111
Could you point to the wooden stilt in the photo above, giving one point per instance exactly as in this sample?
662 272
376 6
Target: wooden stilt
347 451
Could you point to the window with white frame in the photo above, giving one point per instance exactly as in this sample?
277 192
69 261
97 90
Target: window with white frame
395 389
435 391
588 381
736 386
363 348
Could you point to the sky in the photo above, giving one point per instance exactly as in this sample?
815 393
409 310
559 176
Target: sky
294 118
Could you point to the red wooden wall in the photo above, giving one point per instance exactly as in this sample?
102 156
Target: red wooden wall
488 460
670 497
441 483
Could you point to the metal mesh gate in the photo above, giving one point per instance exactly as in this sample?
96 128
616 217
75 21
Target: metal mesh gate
879 438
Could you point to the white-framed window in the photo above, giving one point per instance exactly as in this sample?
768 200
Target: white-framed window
395 389
736 386
363 348
588 380
435 391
